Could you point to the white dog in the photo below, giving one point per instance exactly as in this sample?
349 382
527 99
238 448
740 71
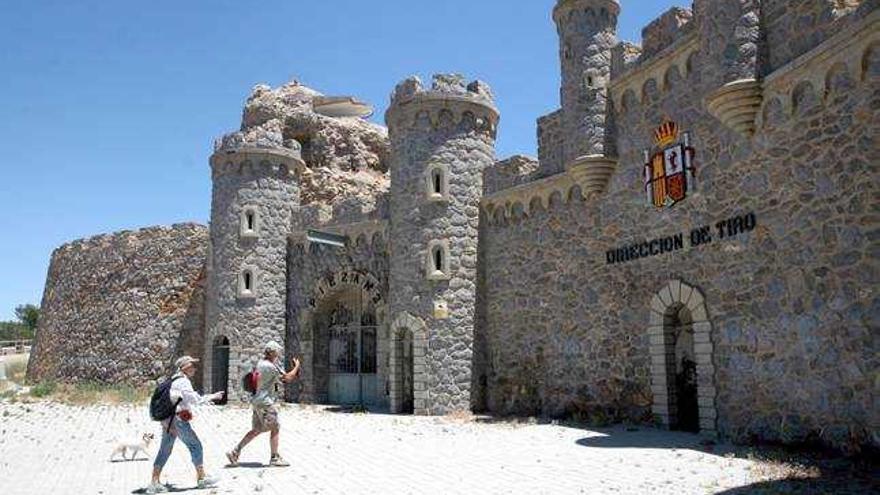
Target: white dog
134 447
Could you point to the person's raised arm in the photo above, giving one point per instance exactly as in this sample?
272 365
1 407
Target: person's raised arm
291 375
191 397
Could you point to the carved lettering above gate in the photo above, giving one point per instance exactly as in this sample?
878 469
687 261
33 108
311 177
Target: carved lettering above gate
364 281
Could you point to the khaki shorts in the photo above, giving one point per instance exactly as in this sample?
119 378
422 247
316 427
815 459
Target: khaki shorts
265 418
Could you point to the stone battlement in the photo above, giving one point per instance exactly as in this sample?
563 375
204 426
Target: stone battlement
513 171
473 101
665 30
601 7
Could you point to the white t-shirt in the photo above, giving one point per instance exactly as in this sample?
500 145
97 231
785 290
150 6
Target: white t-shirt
181 388
269 384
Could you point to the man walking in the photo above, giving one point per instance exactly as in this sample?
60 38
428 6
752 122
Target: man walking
265 414
186 398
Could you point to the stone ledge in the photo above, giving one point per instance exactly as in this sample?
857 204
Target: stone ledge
592 173
736 105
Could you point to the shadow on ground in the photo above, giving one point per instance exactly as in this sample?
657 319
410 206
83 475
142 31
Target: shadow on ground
822 485
174 489
781 469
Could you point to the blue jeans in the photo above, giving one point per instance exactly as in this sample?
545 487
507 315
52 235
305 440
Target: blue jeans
183 430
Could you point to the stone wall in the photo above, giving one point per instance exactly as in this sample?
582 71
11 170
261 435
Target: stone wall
792 305
119 308
551 141
511 172
664 30
795 27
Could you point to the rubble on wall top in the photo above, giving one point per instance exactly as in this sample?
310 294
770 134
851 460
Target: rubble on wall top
135 235
344 156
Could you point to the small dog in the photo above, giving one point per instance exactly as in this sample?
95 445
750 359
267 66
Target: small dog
134 447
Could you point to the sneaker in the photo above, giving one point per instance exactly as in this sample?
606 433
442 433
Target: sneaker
232 455
278 461
156 488
207 482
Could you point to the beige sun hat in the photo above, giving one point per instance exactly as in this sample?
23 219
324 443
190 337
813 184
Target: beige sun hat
273 346
184 360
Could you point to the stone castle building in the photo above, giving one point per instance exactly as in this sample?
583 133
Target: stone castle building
696 243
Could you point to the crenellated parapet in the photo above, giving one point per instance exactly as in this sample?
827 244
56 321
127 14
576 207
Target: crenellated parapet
640 76
448 104
250 159
601 9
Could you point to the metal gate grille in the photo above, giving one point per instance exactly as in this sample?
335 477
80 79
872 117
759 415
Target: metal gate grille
352 349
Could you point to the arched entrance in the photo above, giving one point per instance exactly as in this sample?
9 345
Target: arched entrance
220 367
346 356
682 373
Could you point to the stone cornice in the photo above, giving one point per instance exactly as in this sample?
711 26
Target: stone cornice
258 155
523 194
433 102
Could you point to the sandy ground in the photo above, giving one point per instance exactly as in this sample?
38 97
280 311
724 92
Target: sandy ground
52 448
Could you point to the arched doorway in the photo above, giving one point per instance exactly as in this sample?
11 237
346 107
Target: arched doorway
403 370
408 384
682 371
346 348
220 367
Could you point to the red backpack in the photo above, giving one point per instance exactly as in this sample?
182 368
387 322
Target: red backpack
251 381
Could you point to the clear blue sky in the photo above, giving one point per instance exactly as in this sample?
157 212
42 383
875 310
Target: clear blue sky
108 108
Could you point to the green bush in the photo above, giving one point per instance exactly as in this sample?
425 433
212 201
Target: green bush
11 330
43 389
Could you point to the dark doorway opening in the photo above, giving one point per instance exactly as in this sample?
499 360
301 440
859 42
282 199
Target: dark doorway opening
681 370
220 367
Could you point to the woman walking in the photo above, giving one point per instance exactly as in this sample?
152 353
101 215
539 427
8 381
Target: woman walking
186 398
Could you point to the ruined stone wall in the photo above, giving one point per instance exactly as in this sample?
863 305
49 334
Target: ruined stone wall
119 308
792 305
344 156
452 126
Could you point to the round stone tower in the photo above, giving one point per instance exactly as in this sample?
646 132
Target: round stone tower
587 32
255 189
441 140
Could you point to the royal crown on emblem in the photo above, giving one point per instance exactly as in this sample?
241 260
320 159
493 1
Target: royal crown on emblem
666 134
